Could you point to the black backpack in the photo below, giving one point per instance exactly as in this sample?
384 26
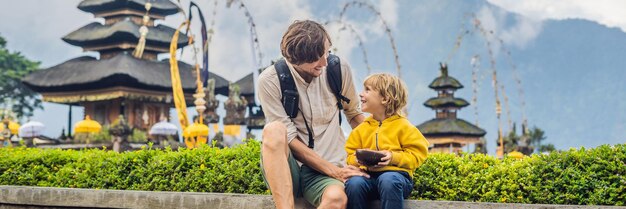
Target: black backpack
290 97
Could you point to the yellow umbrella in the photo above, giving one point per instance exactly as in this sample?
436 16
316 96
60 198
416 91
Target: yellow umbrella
87 126
232 130
516 155
195 135
13 127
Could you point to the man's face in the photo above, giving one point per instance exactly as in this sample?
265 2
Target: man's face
314 69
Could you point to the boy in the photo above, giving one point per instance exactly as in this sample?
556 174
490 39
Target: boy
388 132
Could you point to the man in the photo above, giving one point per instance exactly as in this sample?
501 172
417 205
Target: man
320 174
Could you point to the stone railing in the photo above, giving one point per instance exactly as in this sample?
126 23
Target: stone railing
47 197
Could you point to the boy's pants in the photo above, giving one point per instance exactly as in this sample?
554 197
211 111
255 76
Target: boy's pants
390 187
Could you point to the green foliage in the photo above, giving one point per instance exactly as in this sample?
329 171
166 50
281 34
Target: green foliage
100 137
585 176
527 141
138 136
13 94
547 148
205 169
536 136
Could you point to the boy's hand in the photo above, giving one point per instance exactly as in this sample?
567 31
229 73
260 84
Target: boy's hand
384 161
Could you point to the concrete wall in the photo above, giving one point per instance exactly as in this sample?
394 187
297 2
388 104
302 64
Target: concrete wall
46 197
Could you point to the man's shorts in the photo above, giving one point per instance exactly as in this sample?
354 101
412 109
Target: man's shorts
306 182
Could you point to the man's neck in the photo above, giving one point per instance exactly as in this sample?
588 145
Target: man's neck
307 78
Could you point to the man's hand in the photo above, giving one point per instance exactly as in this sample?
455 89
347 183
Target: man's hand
343 174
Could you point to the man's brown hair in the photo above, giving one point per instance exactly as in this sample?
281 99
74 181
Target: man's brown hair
303 42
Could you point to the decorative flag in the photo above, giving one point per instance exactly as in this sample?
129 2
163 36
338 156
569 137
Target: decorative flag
177 88
205 45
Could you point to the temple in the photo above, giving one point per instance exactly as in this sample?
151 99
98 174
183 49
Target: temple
447 133
118 83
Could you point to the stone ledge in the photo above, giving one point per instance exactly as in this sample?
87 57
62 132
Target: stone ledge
48 197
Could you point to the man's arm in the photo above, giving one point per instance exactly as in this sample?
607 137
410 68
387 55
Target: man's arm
307 156
356 120
352 110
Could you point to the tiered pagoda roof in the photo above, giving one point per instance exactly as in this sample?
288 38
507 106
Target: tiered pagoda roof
123 70
122 35
436 102
446 123
446 126
445 82
117 73
106 8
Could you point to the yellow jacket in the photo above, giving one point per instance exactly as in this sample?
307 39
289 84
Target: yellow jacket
408 146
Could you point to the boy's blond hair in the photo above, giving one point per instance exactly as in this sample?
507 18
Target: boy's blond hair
392 89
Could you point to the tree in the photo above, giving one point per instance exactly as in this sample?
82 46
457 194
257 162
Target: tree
546 148
536 136
527 141
14 95
511 141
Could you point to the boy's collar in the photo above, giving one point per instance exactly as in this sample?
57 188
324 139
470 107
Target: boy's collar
390 118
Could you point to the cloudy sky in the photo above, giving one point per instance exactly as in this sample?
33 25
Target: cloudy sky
559 62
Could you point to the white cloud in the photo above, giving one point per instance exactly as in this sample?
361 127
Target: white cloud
231 54
611 13
35 29
389 12
522 31
368 28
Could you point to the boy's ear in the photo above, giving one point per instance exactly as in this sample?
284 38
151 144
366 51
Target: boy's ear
385 100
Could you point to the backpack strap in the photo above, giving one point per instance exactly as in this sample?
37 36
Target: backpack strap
290 97
288 88
333 72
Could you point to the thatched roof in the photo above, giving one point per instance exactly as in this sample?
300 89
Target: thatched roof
444 81
447 127
160 7
88 73
124 31
246 85
436 102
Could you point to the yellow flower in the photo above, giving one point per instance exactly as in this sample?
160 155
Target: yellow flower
485 165
202 166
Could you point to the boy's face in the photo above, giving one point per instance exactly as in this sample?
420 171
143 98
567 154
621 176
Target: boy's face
314 69
371 101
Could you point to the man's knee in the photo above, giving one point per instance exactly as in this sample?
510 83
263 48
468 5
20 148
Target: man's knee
274 135
335 197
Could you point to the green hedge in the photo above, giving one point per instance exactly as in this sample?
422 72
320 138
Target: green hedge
582 177
578 176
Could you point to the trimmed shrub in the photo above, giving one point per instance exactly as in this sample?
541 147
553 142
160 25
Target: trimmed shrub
578 176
